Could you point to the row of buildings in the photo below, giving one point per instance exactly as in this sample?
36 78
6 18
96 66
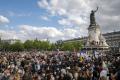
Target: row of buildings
10 41
112 39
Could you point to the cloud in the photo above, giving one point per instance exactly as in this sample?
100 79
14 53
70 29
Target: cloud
40 32
76 12
8 34
32 32
12 14
66 8
26 32
4 20
43 3
64 22
44 18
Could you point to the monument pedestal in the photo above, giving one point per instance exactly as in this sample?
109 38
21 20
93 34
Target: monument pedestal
96 40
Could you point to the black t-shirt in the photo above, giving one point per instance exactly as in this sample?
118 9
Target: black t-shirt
118 75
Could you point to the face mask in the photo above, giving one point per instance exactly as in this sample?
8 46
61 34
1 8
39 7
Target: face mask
43 74
55 73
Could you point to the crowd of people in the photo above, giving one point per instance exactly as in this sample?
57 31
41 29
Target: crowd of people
58 66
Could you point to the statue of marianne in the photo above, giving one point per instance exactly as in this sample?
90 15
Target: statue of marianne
92 17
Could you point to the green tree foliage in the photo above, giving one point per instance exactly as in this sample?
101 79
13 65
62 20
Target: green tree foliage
28 44
72 46
37 44
77 45
45 45
5 46
52 47
41 45
67 46
17 46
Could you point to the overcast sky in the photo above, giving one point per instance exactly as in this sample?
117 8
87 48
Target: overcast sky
55 19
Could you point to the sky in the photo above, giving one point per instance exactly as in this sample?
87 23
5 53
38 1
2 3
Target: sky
55 19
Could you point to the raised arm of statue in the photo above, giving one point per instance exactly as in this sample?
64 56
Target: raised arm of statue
96 9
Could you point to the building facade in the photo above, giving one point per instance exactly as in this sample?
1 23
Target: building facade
10 41
113 40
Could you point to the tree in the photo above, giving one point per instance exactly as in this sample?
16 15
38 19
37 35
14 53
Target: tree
41 45
17 46
36 44
72 46
45 45
28 45
77 45
5 46
52 46
67 46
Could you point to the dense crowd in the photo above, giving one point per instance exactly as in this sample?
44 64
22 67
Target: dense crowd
58 66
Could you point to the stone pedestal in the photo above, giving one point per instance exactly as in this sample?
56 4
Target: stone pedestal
95 38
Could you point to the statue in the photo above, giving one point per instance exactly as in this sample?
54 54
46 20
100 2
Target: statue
95 38
92 17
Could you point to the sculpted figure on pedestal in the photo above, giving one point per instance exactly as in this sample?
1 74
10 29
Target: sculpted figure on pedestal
92 16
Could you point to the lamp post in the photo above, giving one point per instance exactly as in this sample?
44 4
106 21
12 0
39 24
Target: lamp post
59 44
0 41
119 47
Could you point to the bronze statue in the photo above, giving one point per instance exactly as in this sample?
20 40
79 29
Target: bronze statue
92 17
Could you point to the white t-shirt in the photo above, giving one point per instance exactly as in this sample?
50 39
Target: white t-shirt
103 73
